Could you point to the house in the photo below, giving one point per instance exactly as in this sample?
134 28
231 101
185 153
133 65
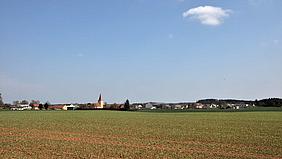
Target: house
63 107
139 106
69 107
34 106
148 105
213 106
21 106
199 105
16 108
56 107
178 106
236 107
115 106
153 107
26 106
166 106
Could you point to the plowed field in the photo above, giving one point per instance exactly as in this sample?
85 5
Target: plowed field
114 134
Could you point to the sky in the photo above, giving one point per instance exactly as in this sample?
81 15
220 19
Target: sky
68 51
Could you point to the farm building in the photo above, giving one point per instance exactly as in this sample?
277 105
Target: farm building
178 106
21 107
69 107
34 106
148 105
56 107
199 105
63 107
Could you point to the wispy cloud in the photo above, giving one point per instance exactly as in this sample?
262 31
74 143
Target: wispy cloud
79 54
257 3
208 15
180 1
270 43
276 42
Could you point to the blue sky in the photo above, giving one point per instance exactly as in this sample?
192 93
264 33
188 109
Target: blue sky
162 50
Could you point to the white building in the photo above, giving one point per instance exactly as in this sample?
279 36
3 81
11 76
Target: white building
148 105
22 107
70 107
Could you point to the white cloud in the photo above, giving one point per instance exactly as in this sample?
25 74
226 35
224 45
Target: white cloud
208 15
276 42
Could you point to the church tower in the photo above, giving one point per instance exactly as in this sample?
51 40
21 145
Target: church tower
100 103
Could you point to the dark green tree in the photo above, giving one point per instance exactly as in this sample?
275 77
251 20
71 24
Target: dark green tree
46 105
40 106
1 101
126 105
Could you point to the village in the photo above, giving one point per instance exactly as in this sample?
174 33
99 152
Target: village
102 105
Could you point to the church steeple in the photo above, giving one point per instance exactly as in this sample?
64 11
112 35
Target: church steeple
100 103
100 98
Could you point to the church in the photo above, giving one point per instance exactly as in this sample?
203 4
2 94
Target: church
100 104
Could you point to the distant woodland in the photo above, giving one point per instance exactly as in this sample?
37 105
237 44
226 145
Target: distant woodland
270 102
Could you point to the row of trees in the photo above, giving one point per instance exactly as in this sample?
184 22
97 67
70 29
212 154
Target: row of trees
270 102
45 106
224 101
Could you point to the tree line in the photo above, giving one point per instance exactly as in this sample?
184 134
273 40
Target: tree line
269 102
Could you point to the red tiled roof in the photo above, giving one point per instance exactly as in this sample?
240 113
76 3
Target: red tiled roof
56 106
34 105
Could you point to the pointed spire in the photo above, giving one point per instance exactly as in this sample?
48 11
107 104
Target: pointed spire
100 98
